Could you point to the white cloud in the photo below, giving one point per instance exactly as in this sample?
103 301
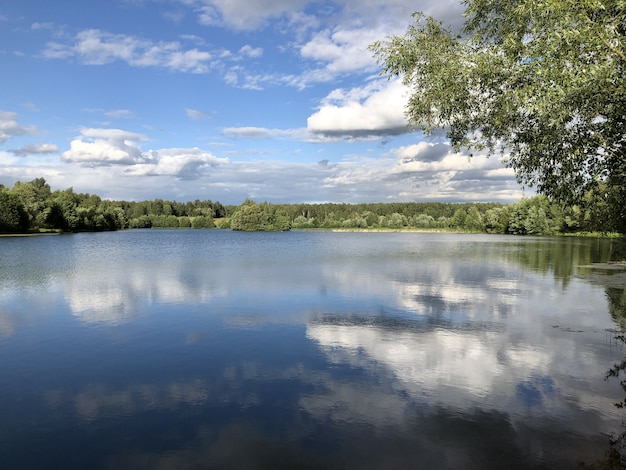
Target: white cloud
263 133
423 151
375 109
188 61
245 14
440 157
179 162
344 50
35 149
173 16
9 127
105 147
120 113
36 26
194 113
248 132
252 52
339 47
97 47
357 180
348 27
254 14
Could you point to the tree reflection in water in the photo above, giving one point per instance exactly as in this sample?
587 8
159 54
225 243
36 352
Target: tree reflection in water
612 276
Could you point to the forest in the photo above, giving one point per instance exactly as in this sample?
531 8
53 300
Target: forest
31 207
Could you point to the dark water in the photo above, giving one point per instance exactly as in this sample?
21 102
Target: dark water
216 349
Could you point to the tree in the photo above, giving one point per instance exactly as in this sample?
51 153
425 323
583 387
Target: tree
495 221
34 196
540 82
13 216
251 216
202 221
64 210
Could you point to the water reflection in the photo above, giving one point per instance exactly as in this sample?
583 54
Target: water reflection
320 350
462 368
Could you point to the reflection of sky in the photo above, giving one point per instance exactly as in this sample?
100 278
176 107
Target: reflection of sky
385 339
462 369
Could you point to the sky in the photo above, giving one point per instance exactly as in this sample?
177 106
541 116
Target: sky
273 100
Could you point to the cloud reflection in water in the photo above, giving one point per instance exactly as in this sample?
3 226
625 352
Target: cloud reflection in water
332 350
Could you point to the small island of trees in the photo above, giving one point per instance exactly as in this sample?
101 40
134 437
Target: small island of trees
32 207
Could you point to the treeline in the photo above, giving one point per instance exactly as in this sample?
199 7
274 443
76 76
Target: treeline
529 216
33 206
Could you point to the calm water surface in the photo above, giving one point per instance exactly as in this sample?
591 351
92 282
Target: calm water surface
217 349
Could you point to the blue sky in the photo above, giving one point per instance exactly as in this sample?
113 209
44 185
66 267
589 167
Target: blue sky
275 100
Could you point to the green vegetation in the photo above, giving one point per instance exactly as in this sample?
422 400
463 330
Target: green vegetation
251 217
541 83
34 207
530 216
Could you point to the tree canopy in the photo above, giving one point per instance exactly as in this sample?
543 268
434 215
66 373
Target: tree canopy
541 82
252 217
33 207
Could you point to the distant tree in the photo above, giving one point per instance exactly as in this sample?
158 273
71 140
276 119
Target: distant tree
496 220
202 221
517 219
396 220
371 219
302 222
536 222
64 210
247 217
473 220
458 219
423 221
251 216
13 216
572 219
34 196
164 221
140 222
219 210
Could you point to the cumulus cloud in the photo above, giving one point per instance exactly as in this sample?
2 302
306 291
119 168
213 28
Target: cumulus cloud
97 47
116 147
343 50
380 179
440 157
96 147
423 151
375 109
179 162
9 127
35 149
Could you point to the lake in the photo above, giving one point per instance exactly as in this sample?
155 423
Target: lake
176 349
